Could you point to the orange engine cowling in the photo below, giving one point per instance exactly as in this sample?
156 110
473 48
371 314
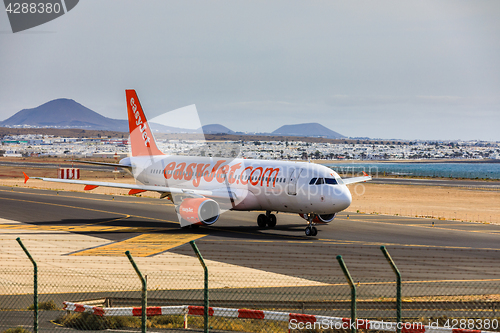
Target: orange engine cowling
199 210
325 218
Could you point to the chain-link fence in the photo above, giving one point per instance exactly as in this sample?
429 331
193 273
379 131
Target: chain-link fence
287 290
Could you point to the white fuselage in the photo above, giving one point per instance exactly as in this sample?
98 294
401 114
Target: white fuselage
247 184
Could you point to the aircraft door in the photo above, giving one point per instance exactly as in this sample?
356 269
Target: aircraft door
292 181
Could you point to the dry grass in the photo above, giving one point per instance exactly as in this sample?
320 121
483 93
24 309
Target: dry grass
86 321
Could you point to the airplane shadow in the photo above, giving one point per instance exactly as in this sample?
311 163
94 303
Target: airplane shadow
115 229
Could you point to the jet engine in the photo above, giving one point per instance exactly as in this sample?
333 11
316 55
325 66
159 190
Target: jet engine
199 210
325 218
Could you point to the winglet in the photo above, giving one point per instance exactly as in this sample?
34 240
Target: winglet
90 187
25 177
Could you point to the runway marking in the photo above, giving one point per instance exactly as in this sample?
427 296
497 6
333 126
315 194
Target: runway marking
141 246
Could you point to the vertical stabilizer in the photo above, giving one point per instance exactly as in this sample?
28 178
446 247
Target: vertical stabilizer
141 138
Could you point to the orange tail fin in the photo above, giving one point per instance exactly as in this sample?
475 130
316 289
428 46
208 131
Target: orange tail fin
141 139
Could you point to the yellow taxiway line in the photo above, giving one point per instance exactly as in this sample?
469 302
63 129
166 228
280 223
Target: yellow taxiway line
141 246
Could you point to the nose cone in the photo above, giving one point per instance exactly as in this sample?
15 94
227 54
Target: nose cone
343 199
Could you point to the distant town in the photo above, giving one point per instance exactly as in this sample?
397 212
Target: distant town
51 130
33 145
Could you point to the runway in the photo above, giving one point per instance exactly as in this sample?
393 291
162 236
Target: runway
148 227
79 240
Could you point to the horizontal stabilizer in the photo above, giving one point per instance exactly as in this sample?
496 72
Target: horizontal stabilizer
356 179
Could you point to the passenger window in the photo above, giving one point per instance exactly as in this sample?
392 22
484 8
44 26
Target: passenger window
313 181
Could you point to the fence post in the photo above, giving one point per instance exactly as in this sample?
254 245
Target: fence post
398 286
144 292
35 285
353 293
205 291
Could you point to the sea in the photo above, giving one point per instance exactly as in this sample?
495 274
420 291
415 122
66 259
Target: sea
468 170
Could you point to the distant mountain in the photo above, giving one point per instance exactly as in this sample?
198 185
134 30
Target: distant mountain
309 129
216 129
65 113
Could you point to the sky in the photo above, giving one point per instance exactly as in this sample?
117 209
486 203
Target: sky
381 69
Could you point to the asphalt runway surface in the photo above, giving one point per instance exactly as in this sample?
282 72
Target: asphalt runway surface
423 249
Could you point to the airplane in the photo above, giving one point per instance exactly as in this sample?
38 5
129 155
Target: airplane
202 188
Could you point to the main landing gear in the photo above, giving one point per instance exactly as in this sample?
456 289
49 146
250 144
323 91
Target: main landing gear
266 220
311 229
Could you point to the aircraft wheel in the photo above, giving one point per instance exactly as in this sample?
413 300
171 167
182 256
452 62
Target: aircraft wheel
308 231
272 221
314 231
262 220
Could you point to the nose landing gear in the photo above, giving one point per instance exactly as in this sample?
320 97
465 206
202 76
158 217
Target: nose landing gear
266 220
311 229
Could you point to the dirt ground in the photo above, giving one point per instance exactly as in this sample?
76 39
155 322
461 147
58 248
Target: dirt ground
447 203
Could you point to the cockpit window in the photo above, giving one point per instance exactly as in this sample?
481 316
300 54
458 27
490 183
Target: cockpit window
320 181
331 181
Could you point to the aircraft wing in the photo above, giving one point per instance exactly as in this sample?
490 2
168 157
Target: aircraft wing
138 188
357 179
